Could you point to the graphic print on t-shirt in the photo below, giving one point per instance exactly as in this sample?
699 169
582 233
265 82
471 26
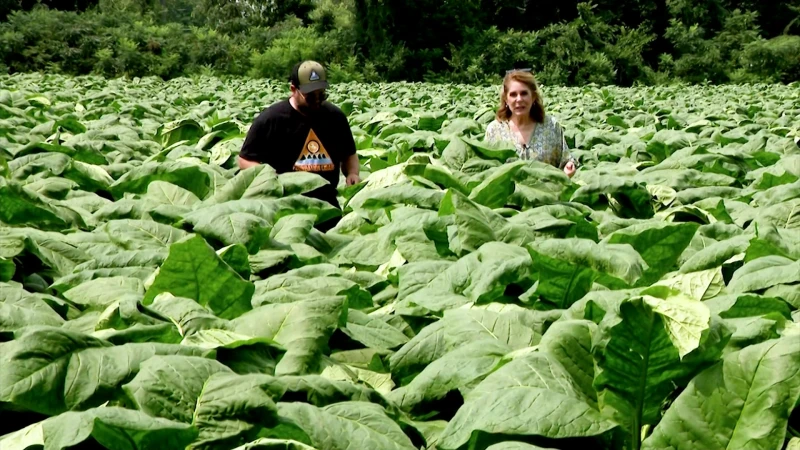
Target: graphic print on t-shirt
314 157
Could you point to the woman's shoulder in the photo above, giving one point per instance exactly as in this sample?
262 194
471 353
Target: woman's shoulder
494 130
551 121
495 124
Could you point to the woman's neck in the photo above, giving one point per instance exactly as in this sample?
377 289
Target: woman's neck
522 121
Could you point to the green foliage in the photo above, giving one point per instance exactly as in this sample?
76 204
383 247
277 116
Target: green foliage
772 60
424 27
715 59
120 44
9 6
294 45
575 43
154 296
586 50
239 16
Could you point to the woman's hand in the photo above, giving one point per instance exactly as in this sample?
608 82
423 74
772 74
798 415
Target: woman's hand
570 168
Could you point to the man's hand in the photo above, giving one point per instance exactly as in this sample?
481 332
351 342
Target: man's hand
570 169
353 178
351 167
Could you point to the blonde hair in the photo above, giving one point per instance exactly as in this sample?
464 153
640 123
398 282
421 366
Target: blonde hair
527 78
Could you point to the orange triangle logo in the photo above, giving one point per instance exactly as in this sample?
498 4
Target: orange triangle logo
314 157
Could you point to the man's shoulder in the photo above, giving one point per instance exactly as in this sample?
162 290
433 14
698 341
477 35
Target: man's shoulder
271 118
279 108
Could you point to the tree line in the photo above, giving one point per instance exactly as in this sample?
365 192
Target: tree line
623 42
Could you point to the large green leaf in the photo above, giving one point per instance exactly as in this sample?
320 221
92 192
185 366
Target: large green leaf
101 292
21 206
744 401
570 343
162 192
530 396
479 277
644 351
275 444
255 182
460 327
179 130
193 270
365 423
764 273
458 369
232 409
300 182
715 254
19 309
71 370
293 229
373 331
275 290
34 368
568 267
303 328
242 228
627 198
399 195
111 427
475 225
659 244
494 190
170 386
500 151
142 234
189 176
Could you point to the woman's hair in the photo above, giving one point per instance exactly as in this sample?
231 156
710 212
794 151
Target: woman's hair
527 78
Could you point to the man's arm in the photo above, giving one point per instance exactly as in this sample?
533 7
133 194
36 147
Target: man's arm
252 151
246 163
351 168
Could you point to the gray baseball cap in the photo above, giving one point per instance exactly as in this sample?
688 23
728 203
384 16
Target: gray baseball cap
309 76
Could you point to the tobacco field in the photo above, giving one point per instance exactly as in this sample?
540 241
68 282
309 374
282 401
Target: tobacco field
154 296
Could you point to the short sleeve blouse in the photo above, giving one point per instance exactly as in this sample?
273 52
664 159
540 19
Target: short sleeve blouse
547 143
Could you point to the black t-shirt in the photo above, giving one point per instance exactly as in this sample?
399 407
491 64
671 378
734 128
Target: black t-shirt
290 141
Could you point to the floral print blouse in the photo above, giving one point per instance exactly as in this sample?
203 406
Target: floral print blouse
547 143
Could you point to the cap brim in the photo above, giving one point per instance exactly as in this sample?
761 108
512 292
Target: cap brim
315 86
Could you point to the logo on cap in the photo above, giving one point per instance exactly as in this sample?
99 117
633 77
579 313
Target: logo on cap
314 76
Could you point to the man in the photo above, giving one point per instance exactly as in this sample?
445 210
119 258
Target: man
304 132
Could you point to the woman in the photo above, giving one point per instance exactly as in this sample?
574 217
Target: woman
521 120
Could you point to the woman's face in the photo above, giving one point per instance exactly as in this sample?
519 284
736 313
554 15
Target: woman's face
519 98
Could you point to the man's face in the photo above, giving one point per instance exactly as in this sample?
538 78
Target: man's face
311 101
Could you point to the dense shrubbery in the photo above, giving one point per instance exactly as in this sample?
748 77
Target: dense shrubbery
361 41
583 51
115 45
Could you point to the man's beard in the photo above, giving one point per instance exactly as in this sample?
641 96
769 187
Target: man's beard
309 109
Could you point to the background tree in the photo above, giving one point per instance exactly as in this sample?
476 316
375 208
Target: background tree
417 33
472 41
9 6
